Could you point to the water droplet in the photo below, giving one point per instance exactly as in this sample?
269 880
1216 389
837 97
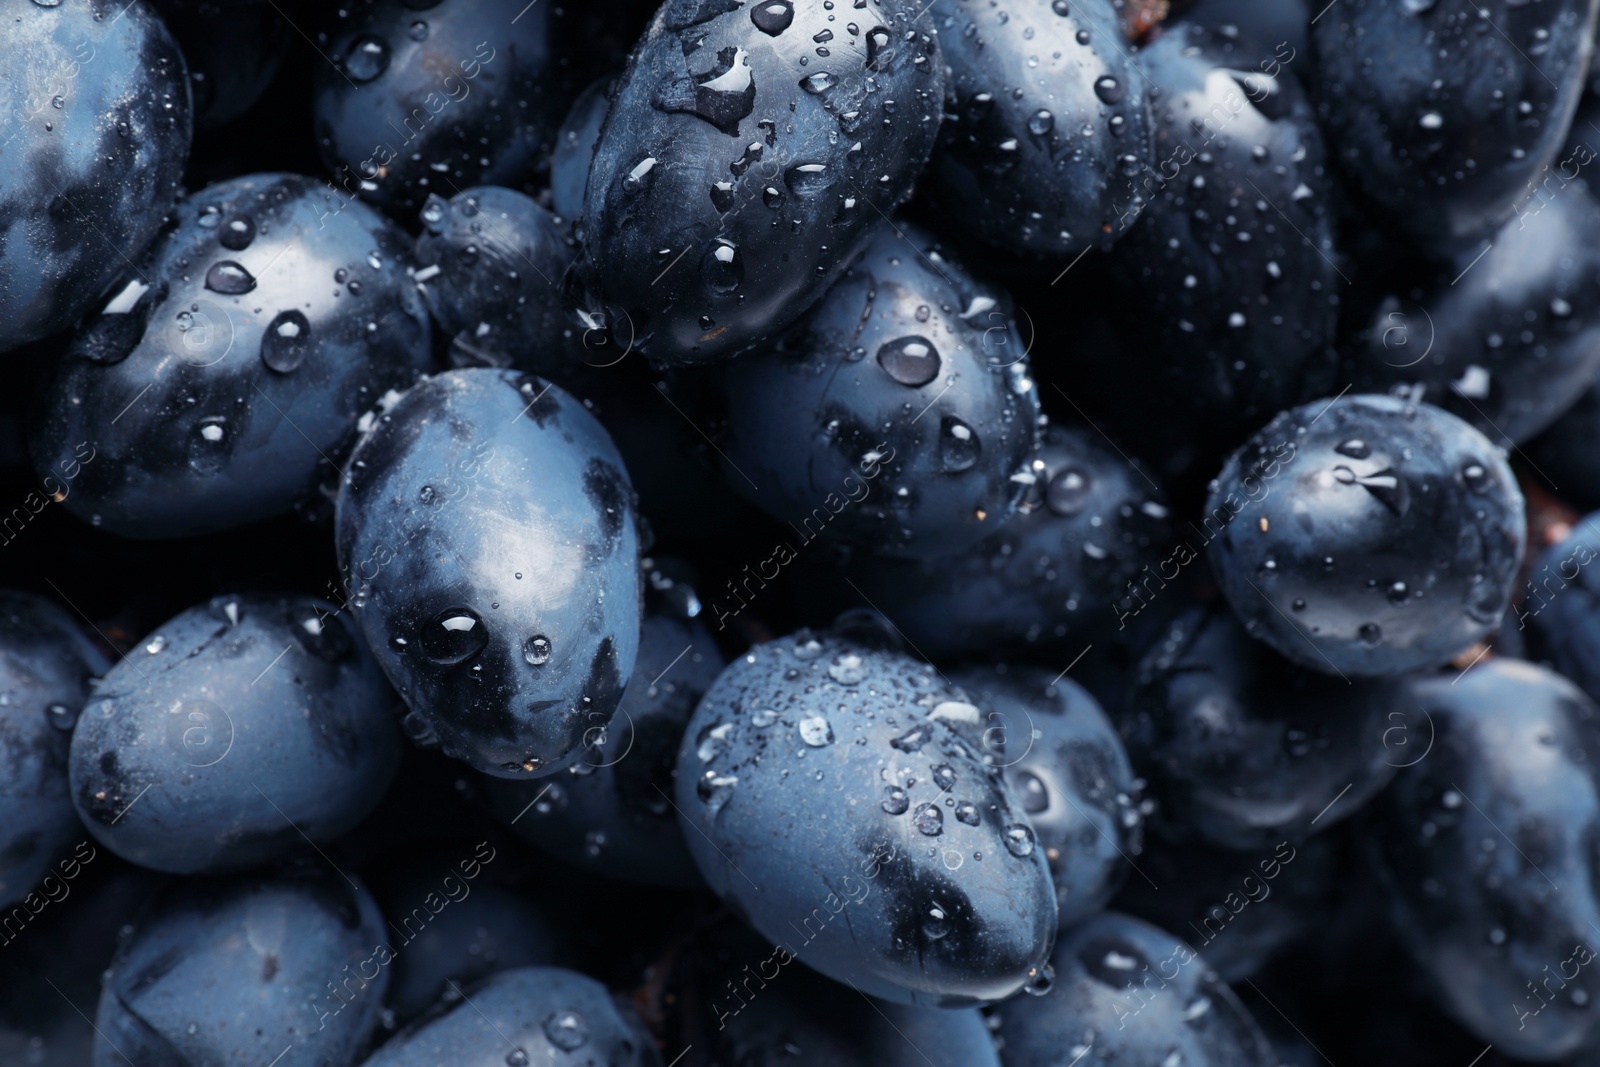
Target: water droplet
638 180
61 717
1370 633
1476 476
1355 448
155 644
895 801
419 31
366 58
715 790
237 233
1108 89
959 447
207 448
848 669
566 1029
453 635
1560 308
880 56
714 742
763 718
1196 1008
929 820
772 17
1068 491
1431 120
807 179
1019 840
1041 122
818 83
286 341
967 812
1061 7
722 96
1035 795
229 278
1417 7
536 650
1040 980
722 195
815 731
722 267
517 1058
1398 592
935 923
944 776
910 361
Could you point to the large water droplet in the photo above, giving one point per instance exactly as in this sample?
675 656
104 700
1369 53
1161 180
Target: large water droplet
910 361
1355 448
208 445
1019 840
237 233
715 790
959 446
1389 488
1068 491
722 96
366 58
929 820
286 341
638 180
517 1058
1108 89
536 650
772 17
323 636
453 635
61 717
913 739
714 741
807 179
722 267
1041 122
1371 634
815 731
848 669
818 83
880 56
566 1029
1476 476
944 776
229 278
935 923
1040 980
1035 795
895 801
